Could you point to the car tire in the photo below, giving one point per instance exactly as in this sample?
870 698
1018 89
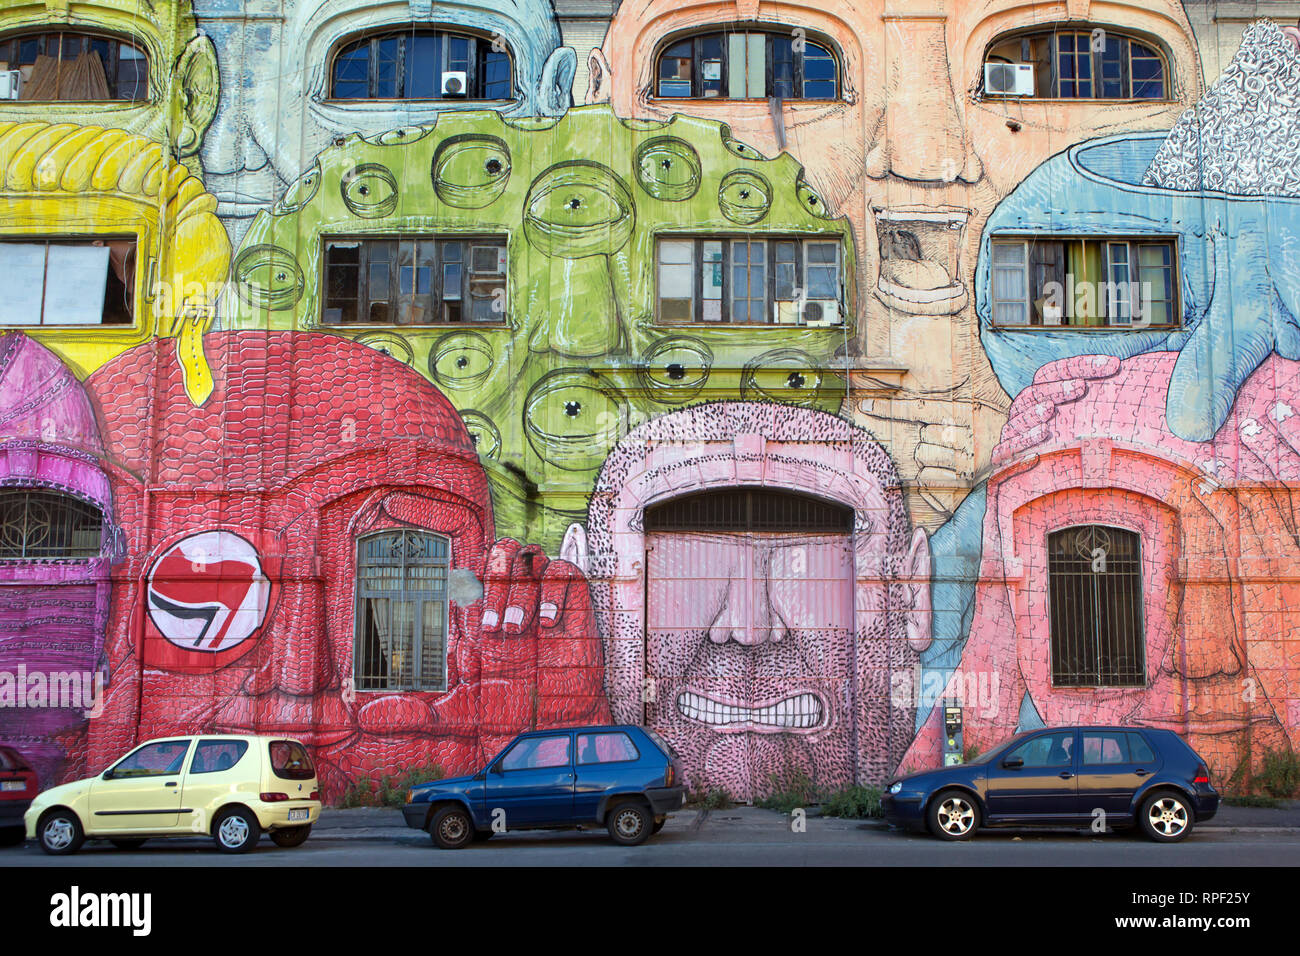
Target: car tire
60 833
291 836
451 828
629 824
1166 817
236 831
12 836
132 844
953 815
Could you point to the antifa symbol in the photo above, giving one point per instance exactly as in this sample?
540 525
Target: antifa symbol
212 581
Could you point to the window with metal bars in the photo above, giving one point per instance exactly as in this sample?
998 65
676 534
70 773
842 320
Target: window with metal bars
421 64
749 509
45 525
401 611
1095 593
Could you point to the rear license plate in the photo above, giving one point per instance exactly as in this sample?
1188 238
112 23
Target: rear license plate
13 785
299 814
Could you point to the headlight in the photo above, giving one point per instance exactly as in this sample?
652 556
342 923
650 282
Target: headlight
896 786
410 795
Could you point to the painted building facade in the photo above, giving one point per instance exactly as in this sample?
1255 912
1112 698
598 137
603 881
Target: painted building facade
398 377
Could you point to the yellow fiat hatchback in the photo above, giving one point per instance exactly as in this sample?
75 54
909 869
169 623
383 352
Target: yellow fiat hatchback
229 787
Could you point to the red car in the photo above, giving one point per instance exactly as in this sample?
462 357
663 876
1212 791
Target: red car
17 790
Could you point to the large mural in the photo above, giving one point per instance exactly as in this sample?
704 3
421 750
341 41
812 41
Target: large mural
362 381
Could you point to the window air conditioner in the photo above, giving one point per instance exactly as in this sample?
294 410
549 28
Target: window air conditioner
1009 79
11 82
454 83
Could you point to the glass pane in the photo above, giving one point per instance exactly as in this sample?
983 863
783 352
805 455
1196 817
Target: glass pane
496 76
710 48
386 77
783 67
736 65
352 72
423 78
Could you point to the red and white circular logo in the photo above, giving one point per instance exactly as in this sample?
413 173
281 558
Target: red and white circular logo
208 593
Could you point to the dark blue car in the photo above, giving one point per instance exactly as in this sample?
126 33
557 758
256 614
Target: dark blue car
624 778
1062 776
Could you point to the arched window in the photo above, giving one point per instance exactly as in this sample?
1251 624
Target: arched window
38 525
401 611
1095 592
421 64
749 509
1076 62
747 62
68 66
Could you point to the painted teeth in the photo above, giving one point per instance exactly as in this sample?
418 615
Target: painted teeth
798 712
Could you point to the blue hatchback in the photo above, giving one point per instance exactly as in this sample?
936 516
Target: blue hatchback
624 778
1063 776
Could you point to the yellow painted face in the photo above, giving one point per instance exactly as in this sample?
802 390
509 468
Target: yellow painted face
109 187
179 98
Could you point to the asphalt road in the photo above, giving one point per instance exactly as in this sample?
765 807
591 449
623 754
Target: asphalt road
740 837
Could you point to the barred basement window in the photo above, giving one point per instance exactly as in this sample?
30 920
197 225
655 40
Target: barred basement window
72 67
1095 593
401 611
749 509
421 64
45 525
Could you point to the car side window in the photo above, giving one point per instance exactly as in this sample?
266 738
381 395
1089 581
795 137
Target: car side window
606 748
214 756
1139 750
154 760
1104 748
1048 750
536 753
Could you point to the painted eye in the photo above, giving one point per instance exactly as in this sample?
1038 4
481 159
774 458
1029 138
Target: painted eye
737 148
461 360
268 277
789 376
482 432
676 369
389 344
571 423
668 168
370 191
300 193
470 172
400 136
744 196
579 209
811 201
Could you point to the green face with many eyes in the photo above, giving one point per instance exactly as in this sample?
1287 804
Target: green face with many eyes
572 339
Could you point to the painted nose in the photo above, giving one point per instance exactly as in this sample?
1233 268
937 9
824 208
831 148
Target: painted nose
921 136
745 616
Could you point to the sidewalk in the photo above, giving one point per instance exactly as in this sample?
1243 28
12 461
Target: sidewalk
386 823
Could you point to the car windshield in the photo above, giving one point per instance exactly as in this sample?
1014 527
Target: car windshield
988 755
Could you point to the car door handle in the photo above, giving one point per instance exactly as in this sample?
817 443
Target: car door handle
1066 775
170 783
1141 773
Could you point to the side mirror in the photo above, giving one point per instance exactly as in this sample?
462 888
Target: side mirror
481 775
496 768
108 775
1013 763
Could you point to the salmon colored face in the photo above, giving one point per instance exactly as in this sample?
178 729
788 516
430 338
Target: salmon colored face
916 155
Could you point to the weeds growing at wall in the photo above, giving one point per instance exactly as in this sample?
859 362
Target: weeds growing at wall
854 803
713 798
786 794
1279 774
390 789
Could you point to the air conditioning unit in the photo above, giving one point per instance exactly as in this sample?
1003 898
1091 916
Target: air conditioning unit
454 83
1009 79
11 82
821 312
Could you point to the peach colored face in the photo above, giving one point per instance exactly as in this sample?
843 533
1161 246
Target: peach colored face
917 162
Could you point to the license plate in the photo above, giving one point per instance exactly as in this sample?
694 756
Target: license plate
13 785
298 815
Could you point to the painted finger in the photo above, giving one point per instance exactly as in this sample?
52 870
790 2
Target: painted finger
525 585
496 586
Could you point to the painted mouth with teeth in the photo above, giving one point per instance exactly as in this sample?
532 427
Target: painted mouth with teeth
800 712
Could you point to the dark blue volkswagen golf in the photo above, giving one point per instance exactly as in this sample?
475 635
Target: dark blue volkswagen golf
624 778
1062 776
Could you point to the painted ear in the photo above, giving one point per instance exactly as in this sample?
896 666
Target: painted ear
598 77
916 582
555 91
197 86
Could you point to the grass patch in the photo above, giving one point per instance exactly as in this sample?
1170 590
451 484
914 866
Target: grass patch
854 803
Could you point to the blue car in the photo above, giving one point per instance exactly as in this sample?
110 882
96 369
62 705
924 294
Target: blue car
1063 776
624 778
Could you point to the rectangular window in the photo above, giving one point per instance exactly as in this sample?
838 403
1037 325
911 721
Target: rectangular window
415 281
68 282
747 65
783 281
401 611
1115 283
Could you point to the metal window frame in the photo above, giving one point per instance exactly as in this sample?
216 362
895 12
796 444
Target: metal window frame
477 75
86 34
1050 32
768 31
361 594
73 508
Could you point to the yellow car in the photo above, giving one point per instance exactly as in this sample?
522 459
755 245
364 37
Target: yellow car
229 787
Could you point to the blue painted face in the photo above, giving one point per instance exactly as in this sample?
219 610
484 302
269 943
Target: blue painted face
276 112
1238 268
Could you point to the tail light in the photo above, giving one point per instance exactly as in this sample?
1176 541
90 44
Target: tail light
1202 775
273 797
315 795
669 776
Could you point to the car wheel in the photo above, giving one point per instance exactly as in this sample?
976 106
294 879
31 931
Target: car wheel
629 824
133 844
60 833
954 815
12 836
291 836
451 828
1166 817
236 831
